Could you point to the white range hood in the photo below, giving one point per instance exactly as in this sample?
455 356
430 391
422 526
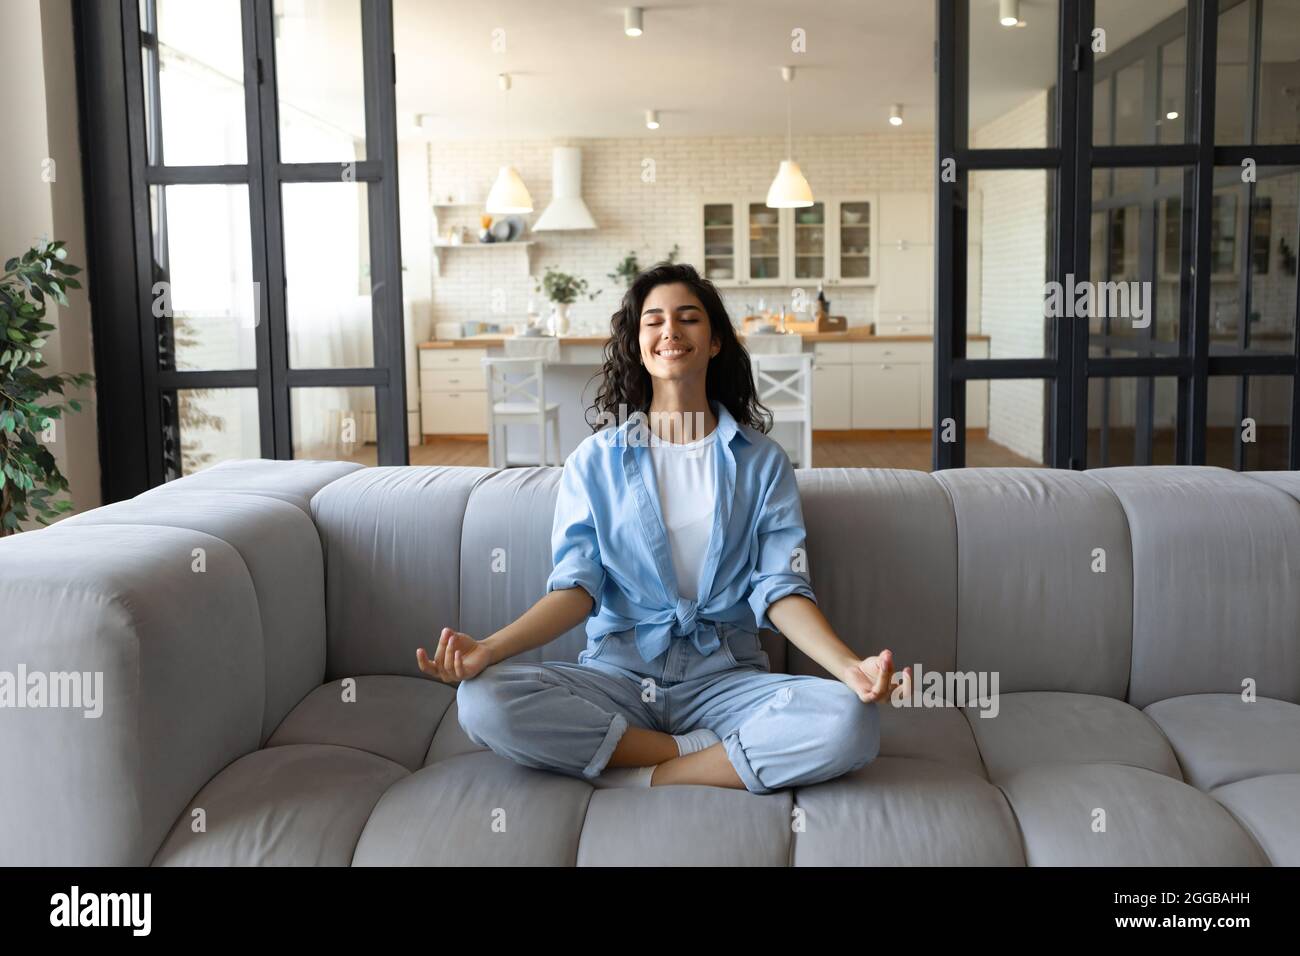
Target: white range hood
567 210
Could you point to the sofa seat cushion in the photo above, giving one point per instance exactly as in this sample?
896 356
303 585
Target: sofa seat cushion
1266 807
929 733
899 811
687 826
1149 818
476 809
392 716
1220 738
1034 728
299 805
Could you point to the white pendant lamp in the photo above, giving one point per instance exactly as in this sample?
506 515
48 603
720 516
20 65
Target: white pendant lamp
508 195
789 190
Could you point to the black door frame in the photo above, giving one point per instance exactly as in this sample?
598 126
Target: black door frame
134 390
1068 371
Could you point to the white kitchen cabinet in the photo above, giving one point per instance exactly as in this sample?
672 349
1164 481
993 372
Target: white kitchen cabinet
889 385
832 242
453 392
832 389
853 253
886 395
746 244
905 255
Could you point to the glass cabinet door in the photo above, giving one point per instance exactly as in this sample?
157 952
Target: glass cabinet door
810 242
764 228
719 242
854 247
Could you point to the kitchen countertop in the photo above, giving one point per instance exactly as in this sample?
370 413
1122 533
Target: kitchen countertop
856 334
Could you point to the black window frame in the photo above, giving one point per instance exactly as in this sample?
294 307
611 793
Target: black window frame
136 415
1070 368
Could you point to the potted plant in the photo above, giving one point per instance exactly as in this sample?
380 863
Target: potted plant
562 290
629 268
29 475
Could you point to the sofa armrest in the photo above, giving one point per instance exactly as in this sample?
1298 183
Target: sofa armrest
131 672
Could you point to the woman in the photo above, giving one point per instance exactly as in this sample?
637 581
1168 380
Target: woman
676 539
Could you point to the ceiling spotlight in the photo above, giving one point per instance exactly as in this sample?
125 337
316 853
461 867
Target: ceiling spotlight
632 21
651 119
896 115
1009 12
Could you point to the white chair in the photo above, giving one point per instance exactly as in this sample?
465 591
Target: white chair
516 395
784 385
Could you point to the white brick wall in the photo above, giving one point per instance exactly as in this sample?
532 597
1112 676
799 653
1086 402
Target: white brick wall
1013 234
646 217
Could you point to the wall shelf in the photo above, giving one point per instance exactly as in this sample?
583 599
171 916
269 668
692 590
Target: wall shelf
442 248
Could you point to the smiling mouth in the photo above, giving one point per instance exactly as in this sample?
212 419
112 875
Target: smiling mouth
673 353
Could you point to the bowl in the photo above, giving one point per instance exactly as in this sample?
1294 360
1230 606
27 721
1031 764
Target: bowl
851 217
721 273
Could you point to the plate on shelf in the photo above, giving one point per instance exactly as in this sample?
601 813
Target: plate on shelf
516 227
501 230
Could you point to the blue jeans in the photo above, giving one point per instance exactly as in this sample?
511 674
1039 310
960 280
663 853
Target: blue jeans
779 730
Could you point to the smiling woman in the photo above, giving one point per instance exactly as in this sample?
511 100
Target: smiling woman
671 325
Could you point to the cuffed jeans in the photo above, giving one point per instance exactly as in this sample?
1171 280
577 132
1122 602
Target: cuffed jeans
779 730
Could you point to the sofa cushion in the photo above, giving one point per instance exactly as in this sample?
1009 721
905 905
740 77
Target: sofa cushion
476 809
450 739
1033 729
1150 819
687 825
179 656
1266 807
1215 564
394 717
391 538
281 551
1030 603
882 557
292 481
900 811
929 733
300 805
505 557
1220 738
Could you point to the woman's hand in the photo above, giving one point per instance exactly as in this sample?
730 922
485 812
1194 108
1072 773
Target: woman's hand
871 677
458 657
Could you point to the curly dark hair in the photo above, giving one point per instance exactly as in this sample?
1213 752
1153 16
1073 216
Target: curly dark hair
627 387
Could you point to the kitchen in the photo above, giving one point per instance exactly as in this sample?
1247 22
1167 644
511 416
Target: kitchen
548 151
616 184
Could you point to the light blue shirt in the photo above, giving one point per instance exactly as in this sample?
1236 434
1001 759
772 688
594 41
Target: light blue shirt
609 538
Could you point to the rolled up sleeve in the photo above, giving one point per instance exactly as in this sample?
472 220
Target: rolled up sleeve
781 568
575 552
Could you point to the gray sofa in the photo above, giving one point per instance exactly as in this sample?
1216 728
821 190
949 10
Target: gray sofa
256 624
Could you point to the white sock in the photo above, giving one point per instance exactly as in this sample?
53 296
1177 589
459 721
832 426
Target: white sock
697 739
623 777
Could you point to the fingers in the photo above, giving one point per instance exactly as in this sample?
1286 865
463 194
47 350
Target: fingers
439 658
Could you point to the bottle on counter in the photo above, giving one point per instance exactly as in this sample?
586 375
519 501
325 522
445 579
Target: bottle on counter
823 305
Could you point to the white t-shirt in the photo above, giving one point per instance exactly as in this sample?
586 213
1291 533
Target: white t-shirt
687 478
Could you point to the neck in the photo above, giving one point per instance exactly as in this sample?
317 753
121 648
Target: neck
680 411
